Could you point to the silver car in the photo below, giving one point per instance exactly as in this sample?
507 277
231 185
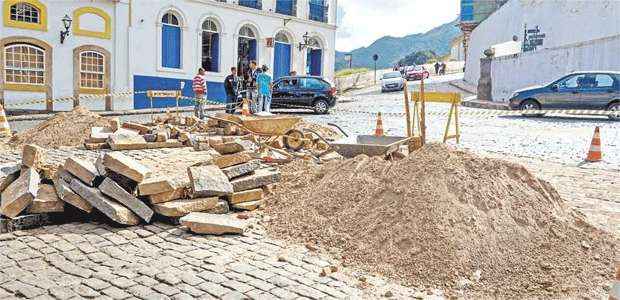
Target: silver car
392 81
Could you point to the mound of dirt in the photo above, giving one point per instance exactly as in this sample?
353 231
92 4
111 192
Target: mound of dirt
446 219
66 129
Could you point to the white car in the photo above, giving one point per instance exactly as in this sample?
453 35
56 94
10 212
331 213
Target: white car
392 81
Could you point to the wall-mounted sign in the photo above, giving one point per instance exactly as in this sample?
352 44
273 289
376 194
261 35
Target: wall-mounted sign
532 38
269 42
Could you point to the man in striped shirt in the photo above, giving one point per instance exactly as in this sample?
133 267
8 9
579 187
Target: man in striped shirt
199 86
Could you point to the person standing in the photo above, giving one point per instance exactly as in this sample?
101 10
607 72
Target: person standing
443 68
231 85
199 85
437 68
265 86
251 86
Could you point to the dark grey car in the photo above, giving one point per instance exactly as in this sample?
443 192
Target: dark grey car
579 90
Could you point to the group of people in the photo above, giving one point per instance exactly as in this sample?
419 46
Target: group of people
255 85
440 68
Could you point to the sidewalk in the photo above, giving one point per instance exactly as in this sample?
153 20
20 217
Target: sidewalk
46 115
477 103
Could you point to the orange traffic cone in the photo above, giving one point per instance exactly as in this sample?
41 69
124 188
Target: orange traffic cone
595 153
614 294
379 129
245 108
5 130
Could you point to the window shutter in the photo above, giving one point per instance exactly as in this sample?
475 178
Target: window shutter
215 52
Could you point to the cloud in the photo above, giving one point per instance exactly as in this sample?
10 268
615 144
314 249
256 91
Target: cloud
363 21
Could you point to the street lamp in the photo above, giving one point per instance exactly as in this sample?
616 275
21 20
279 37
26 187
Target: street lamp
305 43
66 21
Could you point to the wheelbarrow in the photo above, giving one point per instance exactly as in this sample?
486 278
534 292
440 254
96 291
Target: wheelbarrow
369 145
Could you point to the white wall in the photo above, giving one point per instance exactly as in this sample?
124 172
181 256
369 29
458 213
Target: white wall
601 54
564 22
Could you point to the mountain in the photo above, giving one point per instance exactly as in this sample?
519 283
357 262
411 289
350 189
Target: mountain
392 49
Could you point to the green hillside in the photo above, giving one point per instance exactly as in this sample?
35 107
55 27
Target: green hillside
393 49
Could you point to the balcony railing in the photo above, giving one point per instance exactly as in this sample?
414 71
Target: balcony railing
319 12
286 7
256 4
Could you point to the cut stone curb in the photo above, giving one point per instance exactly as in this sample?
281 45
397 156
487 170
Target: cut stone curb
46 201
242 169
167 196
251 205
107 206
62 180
19 194
179 208
261 177
208 181
82 169
204 223
126 166
246 196
116 192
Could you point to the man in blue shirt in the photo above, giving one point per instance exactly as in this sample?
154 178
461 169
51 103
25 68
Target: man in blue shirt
264 90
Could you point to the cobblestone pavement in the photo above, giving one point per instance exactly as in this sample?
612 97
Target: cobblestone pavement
160 261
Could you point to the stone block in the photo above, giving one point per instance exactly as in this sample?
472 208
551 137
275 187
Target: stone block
46 201
100 167
252 205
126 166
141 129
167 196
158 185
8 174
261 177
120 141
115 124
161 135
33 156
116 192
242 169
221 208
62 180
82 169
96 146
225 161
179 208
112 209
171 143
207 181
19 194
204 223
99 134
246 196
228 148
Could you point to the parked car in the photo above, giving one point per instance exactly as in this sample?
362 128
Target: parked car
392 81
304 92
416 73
598 90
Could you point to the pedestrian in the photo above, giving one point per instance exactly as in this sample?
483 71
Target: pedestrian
251 85
437 68
231 86
199 85
265 86
443 68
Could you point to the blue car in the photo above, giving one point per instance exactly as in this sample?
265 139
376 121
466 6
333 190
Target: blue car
580 90
303 92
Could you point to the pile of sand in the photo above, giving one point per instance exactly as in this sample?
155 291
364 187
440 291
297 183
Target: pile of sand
68 129
445 219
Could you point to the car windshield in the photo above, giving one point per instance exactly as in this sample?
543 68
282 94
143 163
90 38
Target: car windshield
391 75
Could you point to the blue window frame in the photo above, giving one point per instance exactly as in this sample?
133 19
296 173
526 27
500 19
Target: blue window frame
286 7
171 41
318 11
256 4
210 46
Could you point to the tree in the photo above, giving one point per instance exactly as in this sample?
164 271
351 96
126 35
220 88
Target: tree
418 58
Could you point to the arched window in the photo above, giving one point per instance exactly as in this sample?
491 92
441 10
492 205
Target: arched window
247 32
24 12
282 55
314 58
314 43
282 38
210 46
92 70
171 40
247 49
24 64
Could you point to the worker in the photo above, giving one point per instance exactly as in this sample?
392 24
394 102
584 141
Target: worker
264 90
199 85
231 85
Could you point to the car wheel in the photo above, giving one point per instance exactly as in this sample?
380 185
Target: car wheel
615 109
530 105
321 106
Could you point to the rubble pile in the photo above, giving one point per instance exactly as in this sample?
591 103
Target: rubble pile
64 129
128 191
445 219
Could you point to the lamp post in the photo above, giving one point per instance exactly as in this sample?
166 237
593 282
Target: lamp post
375 58
66 22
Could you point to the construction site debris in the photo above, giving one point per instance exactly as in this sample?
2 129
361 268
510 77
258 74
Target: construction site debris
225 161
68 129
8 174
260 178
251 205
112 209
62 181
242 169
116 192
46 201
439 218
126 166
20 193
32 156
208 181
82 169
204 223
180 208
246 196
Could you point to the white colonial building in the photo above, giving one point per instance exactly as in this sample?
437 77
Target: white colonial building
119 45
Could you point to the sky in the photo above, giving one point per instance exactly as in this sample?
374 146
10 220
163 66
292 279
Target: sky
361 22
